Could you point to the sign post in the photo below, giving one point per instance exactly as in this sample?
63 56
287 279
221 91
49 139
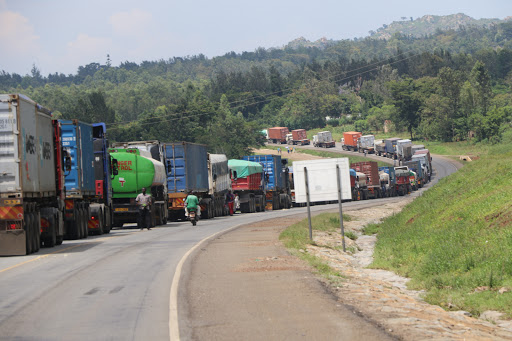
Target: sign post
307 200
341 210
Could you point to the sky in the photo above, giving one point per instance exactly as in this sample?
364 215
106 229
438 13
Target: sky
61 35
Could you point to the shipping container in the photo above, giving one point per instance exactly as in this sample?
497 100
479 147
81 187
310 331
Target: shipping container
77 140
371 170
299 136
277 134
391 146
350 139
32 182
277 187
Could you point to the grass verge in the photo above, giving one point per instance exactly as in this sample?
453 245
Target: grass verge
455 241
296 237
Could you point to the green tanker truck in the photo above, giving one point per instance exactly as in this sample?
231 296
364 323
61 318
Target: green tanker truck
137 169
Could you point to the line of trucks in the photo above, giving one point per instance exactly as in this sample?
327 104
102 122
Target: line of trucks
60 179
282 135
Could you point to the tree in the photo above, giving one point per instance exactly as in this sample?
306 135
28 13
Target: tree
481 83
406 102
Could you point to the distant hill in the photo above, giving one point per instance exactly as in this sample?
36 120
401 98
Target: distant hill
428 24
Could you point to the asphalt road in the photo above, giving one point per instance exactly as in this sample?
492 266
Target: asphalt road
111 287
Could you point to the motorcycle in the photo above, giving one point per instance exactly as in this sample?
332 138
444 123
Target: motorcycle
192 215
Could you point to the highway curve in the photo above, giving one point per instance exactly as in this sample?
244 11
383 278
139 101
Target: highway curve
114 287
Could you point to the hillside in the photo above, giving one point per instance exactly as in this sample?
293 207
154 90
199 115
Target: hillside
429 24
458 251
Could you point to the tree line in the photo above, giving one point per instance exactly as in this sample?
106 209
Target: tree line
425 86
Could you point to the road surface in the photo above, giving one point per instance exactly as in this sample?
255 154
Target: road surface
114 287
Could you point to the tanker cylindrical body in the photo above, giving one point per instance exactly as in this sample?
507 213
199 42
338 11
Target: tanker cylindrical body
136 170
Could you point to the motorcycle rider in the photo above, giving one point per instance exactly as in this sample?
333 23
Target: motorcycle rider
192 202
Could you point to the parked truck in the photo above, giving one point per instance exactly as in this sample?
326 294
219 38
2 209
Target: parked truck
403 183
277 135
350 140
105 169
138 169
404 149
416 166
219 183
77 140
388 181
299 137
380 148
188 170
277 185
248 184
358 185
32 167
324 139
391 147
366 143
371 170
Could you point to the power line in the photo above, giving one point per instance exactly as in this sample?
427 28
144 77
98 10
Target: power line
243 102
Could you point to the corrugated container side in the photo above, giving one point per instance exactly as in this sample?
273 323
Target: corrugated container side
28 166
371 169
299 134
350 138
77 140
391 144
271 167
220 172
278 133
9 148
87 146
187 167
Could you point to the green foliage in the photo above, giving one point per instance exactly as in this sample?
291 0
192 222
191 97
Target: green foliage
458 245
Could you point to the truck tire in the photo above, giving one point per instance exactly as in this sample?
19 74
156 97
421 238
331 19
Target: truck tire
108 220
51 240
28 232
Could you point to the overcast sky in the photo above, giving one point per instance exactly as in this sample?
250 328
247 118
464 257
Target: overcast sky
60 35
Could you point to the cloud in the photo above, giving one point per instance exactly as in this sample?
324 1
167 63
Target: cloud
17 30
133 23
86 49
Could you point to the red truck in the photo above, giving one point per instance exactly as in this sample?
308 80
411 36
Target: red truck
248 184
277 134
371 170
350 139
299 136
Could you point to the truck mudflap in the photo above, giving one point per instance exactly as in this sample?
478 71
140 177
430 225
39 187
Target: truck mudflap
12 243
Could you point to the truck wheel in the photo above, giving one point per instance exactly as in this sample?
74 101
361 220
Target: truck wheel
52 239
28 232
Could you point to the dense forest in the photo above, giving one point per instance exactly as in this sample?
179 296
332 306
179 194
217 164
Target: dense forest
450 85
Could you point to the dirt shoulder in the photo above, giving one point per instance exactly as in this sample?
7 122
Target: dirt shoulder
383 296
245 285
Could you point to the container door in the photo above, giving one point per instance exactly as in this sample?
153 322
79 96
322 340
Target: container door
9 149
69 143
176 172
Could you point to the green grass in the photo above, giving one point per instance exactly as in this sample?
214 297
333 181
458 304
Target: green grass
296 237
456 237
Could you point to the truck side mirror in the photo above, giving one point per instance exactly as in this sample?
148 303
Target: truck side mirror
115 167
67 163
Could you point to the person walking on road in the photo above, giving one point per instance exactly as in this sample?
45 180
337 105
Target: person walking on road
230 200
144 201
278 150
